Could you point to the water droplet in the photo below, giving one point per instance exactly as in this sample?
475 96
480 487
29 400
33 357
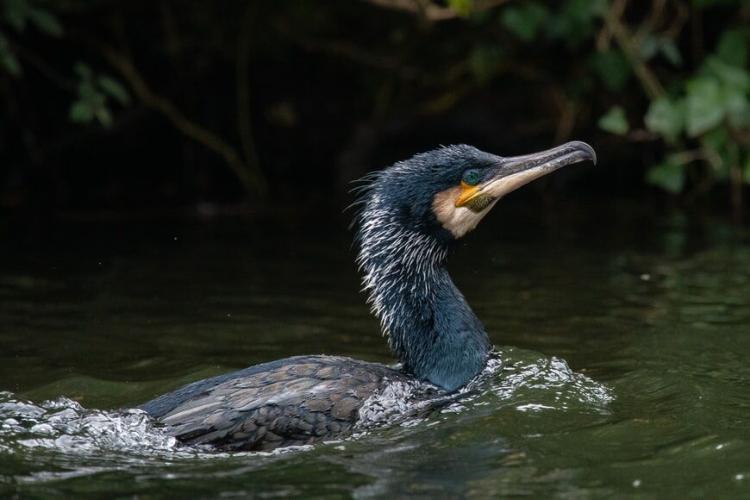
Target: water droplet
42 428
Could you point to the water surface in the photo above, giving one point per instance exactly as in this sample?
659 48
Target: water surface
625 340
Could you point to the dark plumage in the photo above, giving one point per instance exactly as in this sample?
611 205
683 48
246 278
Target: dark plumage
410 215
291 401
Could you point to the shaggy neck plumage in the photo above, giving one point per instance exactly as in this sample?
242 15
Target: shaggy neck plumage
429 325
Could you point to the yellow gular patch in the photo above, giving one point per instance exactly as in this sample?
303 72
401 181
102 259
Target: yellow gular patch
466 194
456 218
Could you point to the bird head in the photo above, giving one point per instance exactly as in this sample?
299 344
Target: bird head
446 192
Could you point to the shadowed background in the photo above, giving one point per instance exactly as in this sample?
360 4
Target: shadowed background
142 107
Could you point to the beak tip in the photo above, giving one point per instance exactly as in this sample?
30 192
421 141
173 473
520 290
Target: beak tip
586 149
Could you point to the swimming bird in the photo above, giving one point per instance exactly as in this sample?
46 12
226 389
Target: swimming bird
411 214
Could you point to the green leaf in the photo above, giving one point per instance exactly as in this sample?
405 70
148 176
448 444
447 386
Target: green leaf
746 169
46 22
666 118
525 20
716 140
115 89
104 116
705 105
484 62
719 143
86 91
733 48
83 71
8 59
667 175
11 64
671 52
649 47
653 45
615 121
16 12
613 69
729 75
81 112
462 7
573 23
738 108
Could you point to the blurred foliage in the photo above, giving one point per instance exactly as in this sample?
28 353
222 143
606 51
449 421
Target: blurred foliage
18 15
94 93
665 82
705 116
615 121
701 112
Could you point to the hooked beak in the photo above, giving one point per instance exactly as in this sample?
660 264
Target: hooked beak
513 172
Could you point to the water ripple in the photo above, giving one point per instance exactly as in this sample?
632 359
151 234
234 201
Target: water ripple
67 427
84 441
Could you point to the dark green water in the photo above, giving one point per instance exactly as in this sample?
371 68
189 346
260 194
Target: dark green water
654 311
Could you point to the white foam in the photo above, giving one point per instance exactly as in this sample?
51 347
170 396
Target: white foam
530 381
88 441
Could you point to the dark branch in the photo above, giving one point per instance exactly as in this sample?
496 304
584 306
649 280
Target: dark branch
251 181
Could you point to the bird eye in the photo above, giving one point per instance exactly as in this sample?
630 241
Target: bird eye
472 177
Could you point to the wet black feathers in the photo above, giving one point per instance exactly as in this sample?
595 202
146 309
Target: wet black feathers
292 401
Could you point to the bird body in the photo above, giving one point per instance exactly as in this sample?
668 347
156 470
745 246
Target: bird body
411 214
292 401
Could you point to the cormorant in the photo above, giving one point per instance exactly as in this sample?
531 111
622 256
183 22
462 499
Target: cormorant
410 215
